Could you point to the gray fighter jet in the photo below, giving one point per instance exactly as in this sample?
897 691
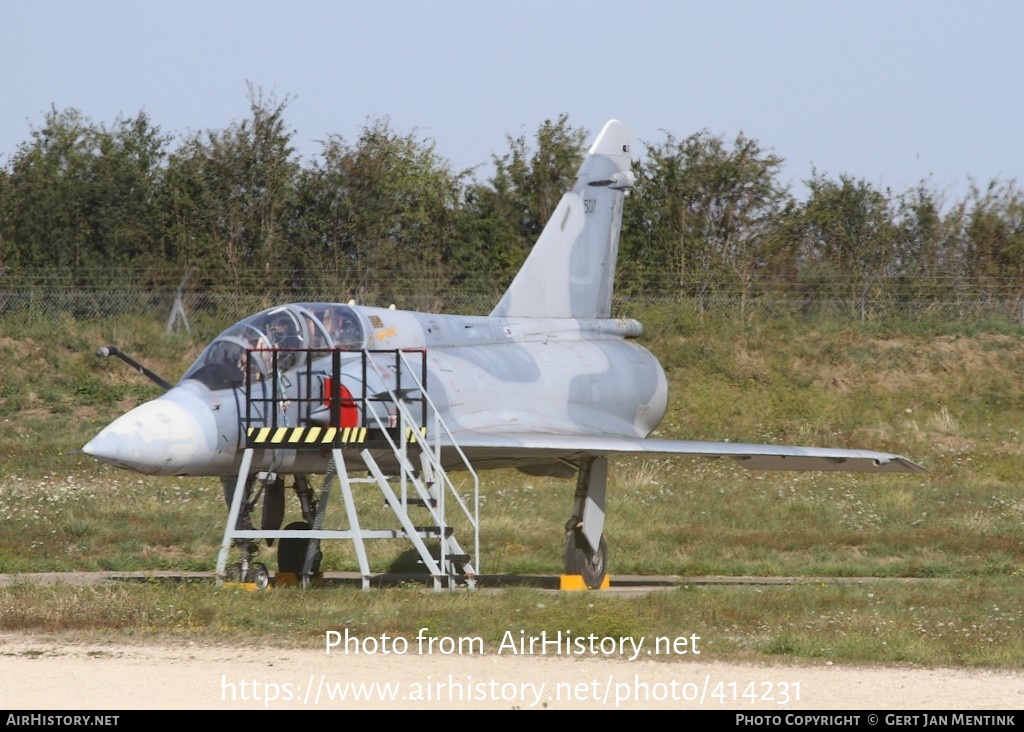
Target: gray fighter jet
548 383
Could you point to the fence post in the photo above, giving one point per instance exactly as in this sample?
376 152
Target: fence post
178 310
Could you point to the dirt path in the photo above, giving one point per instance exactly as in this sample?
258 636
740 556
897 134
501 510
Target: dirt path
44 674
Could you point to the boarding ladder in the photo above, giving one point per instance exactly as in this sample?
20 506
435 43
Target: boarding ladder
397 449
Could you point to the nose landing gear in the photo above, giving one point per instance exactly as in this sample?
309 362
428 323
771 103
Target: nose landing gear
291 552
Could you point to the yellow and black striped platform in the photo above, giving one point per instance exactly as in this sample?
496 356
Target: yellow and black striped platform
319 437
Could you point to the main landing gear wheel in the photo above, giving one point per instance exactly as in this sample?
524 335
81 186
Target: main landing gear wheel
582 560
291 553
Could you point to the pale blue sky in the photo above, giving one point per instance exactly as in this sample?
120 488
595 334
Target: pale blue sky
891 91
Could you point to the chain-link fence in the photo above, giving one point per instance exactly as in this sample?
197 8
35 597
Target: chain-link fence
185 309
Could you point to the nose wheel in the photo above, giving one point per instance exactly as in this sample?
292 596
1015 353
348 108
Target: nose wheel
255 573
259 575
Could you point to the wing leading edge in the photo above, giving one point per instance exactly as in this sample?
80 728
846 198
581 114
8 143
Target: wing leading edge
536 448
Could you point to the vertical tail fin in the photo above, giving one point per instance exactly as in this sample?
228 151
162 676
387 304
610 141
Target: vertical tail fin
570 271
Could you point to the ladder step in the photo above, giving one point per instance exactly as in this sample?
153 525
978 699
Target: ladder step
418 502
435 531
452 559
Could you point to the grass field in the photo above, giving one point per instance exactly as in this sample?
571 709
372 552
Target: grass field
947 396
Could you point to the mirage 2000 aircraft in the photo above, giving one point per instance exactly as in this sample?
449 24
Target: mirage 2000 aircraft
547 383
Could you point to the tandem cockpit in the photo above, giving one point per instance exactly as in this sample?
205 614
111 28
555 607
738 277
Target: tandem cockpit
276 340
303 365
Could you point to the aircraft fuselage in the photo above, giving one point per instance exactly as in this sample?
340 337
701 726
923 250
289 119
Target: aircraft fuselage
511 375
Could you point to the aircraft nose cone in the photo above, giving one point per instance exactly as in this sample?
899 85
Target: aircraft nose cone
175 434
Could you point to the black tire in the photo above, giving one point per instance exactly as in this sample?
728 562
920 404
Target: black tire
580 559
291 553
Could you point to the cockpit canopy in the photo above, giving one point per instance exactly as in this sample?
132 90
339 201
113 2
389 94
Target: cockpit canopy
280 337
